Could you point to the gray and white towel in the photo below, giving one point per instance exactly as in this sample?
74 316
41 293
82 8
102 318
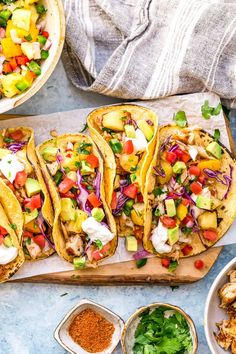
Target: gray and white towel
145 49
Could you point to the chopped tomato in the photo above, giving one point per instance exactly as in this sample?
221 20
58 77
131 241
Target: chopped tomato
210 235
66 185
165 262
131 191
139 198
186 202
99 254
138 232
39 240
33 203
27 234
128 147
3 231
1 239
168 222
92 160
13 63
20 179
179 152
185 157
187 249
171 156
7 68
17 135
195 187
188 219
22 60
68 155
173 195
199 264
93 200
195 171
67 195
201 179
45 34
114 201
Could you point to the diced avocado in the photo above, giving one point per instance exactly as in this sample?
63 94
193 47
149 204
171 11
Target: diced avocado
137 214
173 235
7 241
114 120
208 220
130 131
214 149
179 167
79 262
30 216
203 202
76 225
67 209
21 18
170 207
182 211
32 187
72 175
146 129
86 169
131 244
49 153
98 214
4 152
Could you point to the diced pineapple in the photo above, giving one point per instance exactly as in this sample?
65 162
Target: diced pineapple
21 33
168 173
10 49
21 18
9 84
34 32
208 220
28 49
211 164
129 162
137 214
34 14
182 211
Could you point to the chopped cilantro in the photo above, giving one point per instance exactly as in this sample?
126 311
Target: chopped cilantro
157 191
180 119
141 262
187 230
98 243
208 111
28 38
78 164
217 134
8 140
173 265
133 169
107 130
67 170
157 212
82 148
13 226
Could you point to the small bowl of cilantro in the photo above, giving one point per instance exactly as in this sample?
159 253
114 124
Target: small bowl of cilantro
159 329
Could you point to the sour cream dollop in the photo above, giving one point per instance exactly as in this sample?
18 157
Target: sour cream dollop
96 231
10 165
140 142
7 254
159 238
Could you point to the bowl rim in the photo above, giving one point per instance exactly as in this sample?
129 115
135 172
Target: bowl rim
213 288
158 304
77 306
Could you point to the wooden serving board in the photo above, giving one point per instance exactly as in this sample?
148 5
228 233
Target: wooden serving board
127 273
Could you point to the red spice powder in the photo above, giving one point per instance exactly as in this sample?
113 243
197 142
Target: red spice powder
91 331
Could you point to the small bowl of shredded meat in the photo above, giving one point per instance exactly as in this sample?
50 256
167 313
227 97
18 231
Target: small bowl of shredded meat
220 312
89 328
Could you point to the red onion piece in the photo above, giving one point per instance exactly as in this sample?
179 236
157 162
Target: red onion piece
141 254
83 196
15 147
40 222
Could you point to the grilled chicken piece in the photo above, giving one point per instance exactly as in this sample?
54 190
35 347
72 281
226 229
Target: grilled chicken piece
232 276
33 249
227 294
74 245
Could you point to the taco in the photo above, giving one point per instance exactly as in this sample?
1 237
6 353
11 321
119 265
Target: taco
191 194
84 230
126 136
20 171
11 253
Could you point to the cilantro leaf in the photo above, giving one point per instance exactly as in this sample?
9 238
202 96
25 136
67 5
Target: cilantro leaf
157 191
217 134
141 262
208 111
180 119
173 265
98 243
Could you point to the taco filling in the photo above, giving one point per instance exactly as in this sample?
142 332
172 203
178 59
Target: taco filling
192 186
74 169
20 176
8 252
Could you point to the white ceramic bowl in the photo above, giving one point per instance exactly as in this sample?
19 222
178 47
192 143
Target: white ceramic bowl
213 313
55 25
131 324
63 338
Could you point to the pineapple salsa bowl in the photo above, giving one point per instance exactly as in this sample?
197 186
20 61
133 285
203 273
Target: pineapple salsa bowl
31 40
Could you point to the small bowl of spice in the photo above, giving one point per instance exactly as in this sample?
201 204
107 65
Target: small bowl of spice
89 328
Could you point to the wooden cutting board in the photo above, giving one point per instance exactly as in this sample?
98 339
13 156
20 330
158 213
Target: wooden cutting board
126 272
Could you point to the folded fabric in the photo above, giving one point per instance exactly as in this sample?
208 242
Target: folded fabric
146 49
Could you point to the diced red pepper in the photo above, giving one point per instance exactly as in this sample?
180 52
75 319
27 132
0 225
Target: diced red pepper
185 157
68 195
173 195
179 152
27 234
128 147
131 191
186 202
3 231
17 135
187 249
92 160
195 171
199 264
99 254
201 179
195 187
114 200
39 240
93 200
33 203
22 60
7 68
165 262
187 219
138 232
66 185
168 222
45 34
20 179
13 63
140 198
68 155
1 239
171 156
210 235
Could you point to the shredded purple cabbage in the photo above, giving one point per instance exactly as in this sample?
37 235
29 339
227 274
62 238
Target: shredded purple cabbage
122 199
131 121
141 254
149 122
159 170
97 184
59 159
15 147
229 181
83 196
226 181
174 147
187 196
40 222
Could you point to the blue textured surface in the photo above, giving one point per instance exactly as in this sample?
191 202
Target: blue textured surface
29 313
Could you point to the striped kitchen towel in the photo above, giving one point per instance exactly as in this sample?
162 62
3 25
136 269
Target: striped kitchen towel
145 49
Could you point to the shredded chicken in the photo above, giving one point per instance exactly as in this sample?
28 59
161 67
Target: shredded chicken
74 245
33 249
53 167
232 276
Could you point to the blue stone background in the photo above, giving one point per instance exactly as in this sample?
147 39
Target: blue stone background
29 313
